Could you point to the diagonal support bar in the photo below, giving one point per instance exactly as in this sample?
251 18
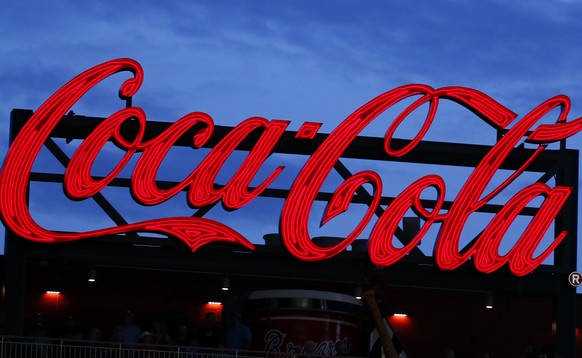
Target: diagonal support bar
99 198
401 235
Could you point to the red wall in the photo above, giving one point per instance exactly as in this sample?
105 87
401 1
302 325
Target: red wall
436 319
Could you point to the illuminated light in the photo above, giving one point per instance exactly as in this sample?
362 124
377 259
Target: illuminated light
53 292
381 250
308 130
78 181
358 293
144 186
546 133
214 303
489 302
487 258
195 232
235 193
400 314
468 201
200 183
481 104
433 100
92 275
225 285
295 217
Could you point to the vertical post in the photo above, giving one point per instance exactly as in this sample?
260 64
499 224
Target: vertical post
15 254
15 284
565 261
369 297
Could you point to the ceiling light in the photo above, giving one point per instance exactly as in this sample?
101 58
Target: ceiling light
225 284
489 302
92 275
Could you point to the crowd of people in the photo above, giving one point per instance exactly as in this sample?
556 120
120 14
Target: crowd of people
210 336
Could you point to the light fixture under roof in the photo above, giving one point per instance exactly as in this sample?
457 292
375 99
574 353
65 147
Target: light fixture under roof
92 275
225 284
489 302
358 292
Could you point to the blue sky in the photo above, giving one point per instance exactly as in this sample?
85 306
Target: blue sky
295 60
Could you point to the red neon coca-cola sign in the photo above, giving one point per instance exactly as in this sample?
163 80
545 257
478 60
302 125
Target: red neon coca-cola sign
201 189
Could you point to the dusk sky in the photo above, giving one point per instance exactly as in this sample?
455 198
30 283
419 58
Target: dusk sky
295 60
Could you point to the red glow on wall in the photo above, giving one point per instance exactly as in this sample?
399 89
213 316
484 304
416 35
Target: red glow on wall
401 323
52 300
211 307
200 183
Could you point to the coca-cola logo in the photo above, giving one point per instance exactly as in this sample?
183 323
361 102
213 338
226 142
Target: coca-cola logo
522 258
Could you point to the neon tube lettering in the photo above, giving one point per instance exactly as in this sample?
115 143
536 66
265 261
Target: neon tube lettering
200 183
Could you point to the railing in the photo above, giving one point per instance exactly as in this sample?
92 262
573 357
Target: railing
41 347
